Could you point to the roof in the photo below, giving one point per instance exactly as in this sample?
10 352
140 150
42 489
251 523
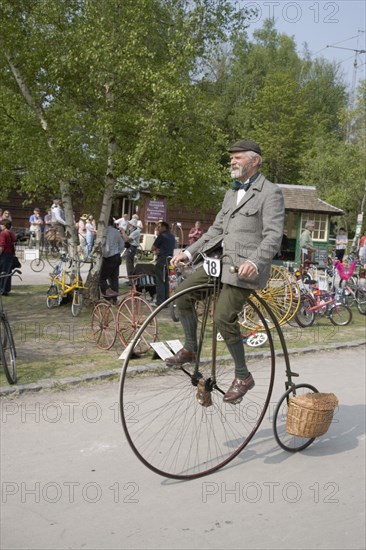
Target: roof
304 198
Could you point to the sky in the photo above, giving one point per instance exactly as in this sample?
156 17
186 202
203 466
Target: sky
320 23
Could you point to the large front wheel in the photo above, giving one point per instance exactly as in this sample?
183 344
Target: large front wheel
175 419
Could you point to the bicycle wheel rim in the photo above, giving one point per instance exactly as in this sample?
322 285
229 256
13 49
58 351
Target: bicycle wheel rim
168 429
8 354
37 265
77 303
286 441
278 294
52 299
303 317
340 315
132 314
361 301
103 325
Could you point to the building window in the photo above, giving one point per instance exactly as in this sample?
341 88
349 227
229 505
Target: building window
320 232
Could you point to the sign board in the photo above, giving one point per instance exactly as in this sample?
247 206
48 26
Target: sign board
175 345
161 349
155 210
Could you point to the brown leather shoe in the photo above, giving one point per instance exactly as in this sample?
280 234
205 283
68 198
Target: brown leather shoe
182 356
238 389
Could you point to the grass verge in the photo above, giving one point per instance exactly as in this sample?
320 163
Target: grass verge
51 344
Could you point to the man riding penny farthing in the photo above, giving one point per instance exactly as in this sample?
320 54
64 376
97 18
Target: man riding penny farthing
247 233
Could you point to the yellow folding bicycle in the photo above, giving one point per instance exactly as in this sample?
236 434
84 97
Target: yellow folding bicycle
65 279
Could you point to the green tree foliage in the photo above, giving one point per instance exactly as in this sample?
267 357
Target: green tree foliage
266 91
155 89
120 72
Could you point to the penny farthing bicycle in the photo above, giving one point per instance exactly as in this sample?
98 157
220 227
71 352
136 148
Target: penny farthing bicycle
175 420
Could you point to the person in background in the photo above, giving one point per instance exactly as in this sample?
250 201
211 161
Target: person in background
81 229
139 222
7 253
306 242
58 218
156 234
6 216
122 222
362 249
47 225
195 233
111 252
163 246
341 243
132 237
35 227
90 235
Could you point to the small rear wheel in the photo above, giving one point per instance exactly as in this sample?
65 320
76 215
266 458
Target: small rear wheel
8 353
289 442
257 339
340 315
77 303
103 325
132 314
52 299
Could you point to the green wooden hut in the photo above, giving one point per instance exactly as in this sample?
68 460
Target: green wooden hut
302 204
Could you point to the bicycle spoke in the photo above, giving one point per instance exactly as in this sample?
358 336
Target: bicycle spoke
103 325
165 420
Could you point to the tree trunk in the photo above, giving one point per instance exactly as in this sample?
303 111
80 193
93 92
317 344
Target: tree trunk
40 115
110 181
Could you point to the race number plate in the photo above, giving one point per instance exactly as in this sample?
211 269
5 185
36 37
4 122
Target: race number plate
212 267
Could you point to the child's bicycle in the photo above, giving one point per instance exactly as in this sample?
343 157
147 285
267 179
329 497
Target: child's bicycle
321 303
66 279
349 291
175 420
8 352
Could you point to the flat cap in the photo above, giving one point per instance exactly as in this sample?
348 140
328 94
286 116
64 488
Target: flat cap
245 146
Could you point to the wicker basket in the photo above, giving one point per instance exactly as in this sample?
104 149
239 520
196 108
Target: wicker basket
311 414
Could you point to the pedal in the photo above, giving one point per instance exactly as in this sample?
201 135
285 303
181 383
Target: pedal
236 402
203 396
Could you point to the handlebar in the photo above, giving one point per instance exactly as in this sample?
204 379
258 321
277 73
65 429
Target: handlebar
14 272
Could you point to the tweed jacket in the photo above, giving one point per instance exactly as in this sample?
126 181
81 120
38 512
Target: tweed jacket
251 230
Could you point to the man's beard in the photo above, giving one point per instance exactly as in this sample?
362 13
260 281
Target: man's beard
240 172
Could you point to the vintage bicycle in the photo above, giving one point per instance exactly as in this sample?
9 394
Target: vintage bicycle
124 320
8 352
175 420
65 280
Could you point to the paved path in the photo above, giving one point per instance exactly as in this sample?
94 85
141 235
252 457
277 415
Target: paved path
30 277
70 479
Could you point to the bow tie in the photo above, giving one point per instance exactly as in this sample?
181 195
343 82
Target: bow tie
238 185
